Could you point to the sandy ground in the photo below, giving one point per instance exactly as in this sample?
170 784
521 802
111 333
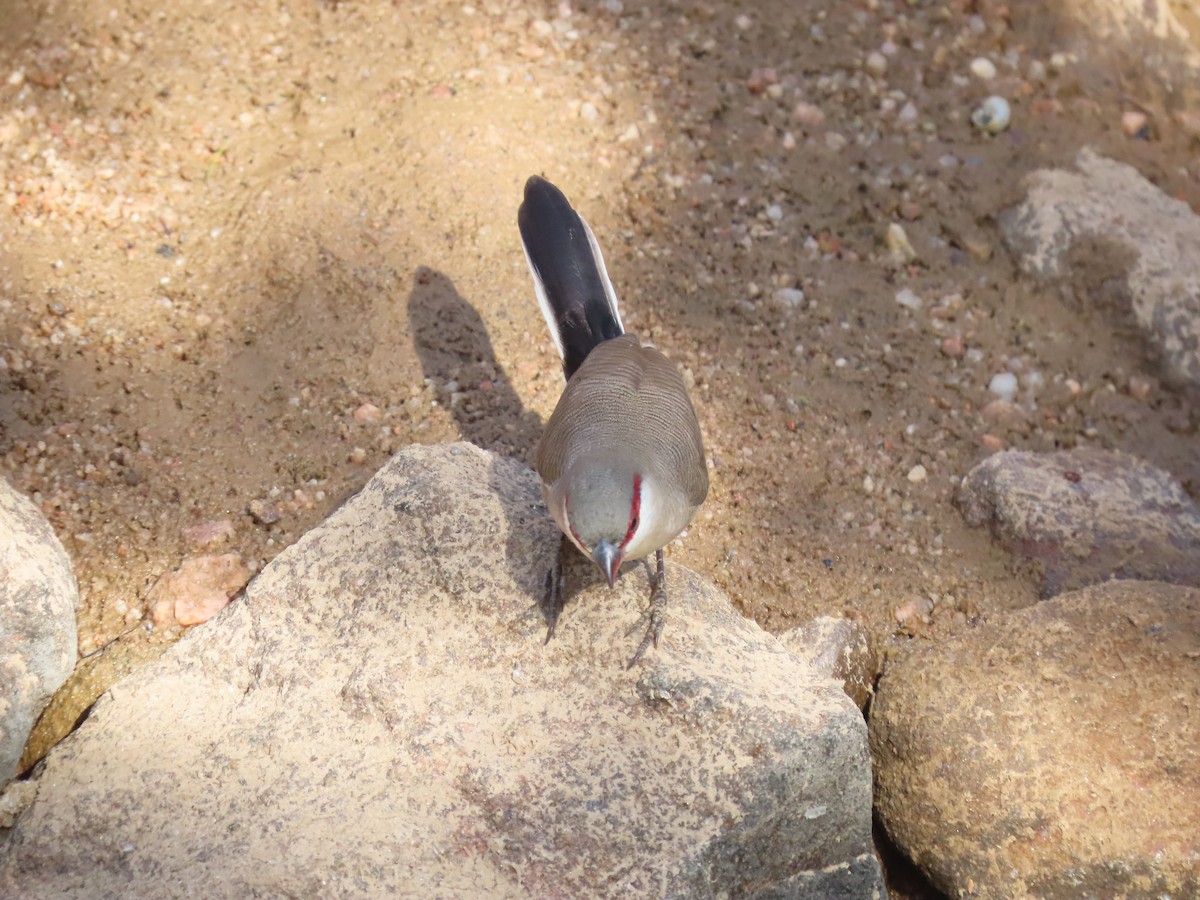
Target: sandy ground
228 226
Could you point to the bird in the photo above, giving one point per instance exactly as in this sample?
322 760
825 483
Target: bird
621 459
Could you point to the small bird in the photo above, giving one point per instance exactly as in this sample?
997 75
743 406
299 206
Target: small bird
621 459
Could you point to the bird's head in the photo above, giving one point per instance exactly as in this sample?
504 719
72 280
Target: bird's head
605 508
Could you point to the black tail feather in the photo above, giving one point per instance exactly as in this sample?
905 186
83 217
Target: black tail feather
572 285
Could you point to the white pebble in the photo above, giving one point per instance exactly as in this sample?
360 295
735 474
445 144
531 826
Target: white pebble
775 212
1003 385
983 68
908 299
787 298
917 474
992 115
898 245
835 142
876 64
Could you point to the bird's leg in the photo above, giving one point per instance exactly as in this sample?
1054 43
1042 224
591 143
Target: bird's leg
552 601
656 613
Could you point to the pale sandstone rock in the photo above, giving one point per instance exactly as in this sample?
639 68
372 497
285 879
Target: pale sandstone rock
1111 205
379 716
1050 753
1086 515
38 596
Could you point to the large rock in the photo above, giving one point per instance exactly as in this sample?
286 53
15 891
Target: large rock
1150 238
379 716
38 597
840 648
1051 753
1086 515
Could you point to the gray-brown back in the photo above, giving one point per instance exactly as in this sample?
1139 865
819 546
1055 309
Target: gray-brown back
631 400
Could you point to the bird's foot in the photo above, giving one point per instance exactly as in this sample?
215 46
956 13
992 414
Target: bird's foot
655 614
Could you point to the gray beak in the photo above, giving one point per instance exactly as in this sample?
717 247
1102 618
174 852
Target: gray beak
608 558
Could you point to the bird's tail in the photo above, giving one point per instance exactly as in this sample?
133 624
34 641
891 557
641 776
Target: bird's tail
568 271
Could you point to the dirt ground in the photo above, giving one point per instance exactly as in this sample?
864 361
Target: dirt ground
228 226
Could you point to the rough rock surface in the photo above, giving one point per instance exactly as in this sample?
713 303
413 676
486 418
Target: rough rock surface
37 621
1051 753
841 648
1111 202
379 716
1086 515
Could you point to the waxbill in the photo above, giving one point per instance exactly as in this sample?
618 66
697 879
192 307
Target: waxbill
621 460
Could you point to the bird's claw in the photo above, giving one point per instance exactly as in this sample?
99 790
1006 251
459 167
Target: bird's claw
654 616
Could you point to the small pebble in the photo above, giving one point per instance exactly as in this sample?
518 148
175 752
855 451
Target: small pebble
978 248
205 534
264 512
358 456
1003 412
1140 387
898 245
368 414
1133 124
836 142
953 346
983 68
908 299
917 474
876 64
808 114
992 115
1003 385
991 442
787 298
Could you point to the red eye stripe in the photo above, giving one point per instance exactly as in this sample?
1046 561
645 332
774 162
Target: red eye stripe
634 510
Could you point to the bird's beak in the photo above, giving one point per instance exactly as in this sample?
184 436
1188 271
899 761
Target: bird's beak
608 558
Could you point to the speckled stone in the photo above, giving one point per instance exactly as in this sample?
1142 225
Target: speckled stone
1086 515
38 597
379 715
1145 245
1050 753
840 648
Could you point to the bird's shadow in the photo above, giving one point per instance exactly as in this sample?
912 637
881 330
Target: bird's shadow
456 355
